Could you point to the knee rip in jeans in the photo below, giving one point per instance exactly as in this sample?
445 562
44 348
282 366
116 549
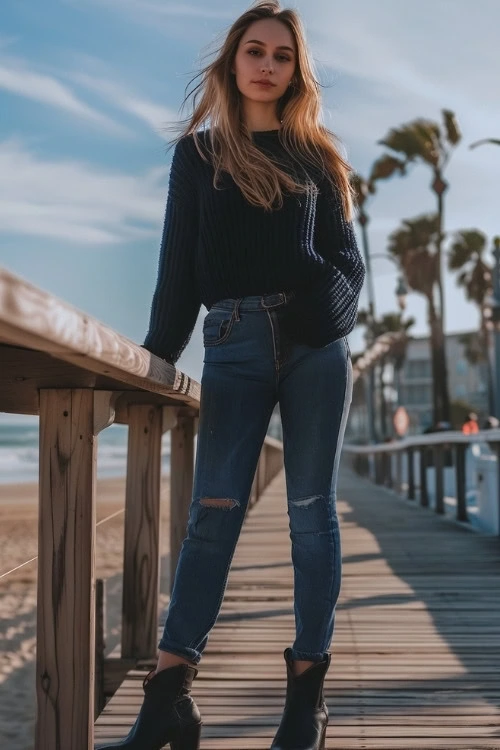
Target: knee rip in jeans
225 503
305 502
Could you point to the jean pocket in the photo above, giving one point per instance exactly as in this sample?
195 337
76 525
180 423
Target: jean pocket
217 327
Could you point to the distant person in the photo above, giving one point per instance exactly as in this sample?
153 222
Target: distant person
471 424
270 250
491 423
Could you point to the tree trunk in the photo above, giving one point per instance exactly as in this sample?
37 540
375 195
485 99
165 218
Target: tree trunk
443 399
439 345
383 403
440 398
485 340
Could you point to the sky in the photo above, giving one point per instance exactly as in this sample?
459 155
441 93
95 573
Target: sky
88 88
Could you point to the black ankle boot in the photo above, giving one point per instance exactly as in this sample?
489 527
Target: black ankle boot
305 718
168 713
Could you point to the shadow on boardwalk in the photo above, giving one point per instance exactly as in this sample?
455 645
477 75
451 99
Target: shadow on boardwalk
452 577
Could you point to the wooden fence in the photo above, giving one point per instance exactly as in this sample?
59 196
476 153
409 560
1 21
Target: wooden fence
80 376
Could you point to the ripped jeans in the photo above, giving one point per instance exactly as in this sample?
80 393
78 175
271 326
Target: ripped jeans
250 364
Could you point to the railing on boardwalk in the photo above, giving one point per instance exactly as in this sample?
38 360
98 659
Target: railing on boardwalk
80 376
403 465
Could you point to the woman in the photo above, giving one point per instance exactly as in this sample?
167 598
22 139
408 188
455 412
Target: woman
258 229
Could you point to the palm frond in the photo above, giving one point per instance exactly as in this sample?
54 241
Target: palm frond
385 167
452 127
495 141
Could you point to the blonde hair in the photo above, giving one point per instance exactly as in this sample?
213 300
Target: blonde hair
231 147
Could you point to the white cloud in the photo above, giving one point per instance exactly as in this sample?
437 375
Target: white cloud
76 202
154 115
427 55
17 79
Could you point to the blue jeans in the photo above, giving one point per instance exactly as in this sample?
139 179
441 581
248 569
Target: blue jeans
250 364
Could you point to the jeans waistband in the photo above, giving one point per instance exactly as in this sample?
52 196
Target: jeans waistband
255 302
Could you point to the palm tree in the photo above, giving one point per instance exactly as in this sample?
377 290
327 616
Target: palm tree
423 140
415 246
466 255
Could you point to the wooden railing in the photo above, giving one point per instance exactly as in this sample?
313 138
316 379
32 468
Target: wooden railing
80 376
383 463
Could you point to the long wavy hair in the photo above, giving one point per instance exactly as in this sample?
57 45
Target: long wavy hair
216 103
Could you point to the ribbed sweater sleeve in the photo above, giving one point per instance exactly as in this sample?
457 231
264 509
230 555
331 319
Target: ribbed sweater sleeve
176 300
325 306
335 241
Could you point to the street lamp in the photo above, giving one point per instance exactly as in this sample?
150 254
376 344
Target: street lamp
495 319
363 220
401 292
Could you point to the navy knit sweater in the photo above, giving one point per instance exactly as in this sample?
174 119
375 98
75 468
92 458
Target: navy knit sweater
216 245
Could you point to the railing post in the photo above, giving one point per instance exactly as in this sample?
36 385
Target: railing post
261 472
377 462
387 464
424 495
497 451
411 474
181 484
399 472
460 451
438 454
100 645
372 467
253 492
65 651
141 562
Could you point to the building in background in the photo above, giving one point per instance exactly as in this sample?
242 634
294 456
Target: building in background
468 384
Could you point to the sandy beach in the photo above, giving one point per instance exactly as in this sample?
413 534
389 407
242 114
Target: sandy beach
18 542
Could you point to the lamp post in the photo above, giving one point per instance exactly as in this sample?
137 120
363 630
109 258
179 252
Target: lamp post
363 220
401 295
401 292
495 317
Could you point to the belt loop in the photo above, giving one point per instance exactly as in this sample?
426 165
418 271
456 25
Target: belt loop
236 310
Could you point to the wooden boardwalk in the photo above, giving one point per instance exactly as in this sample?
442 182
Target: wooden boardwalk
416 654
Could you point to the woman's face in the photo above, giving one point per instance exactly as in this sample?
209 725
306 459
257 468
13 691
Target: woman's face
266 53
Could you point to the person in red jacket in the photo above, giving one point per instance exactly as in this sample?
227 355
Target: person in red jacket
470 426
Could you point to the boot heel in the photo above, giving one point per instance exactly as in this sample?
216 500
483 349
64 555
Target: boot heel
187 738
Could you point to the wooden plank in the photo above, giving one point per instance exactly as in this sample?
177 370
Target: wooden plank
416 653
181 485
460 476
35 319
66 571
141 563
100 645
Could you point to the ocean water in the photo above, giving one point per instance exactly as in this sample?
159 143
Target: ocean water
19 450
